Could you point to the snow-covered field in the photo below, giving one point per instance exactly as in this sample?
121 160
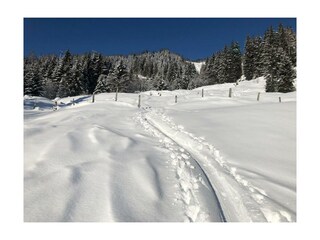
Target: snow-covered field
210 158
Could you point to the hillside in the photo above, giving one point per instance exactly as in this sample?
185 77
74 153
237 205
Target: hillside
212 158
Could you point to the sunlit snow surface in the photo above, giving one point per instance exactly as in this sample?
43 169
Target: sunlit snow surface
210 158
198 65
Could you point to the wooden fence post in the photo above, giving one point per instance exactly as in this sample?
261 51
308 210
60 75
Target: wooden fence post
176 98
93 97
230 92
258 97
279 99
202 92
139 101
116 99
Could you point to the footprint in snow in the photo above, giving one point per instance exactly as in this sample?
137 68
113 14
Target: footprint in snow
180 127
192 212
185 156
258 197
200 147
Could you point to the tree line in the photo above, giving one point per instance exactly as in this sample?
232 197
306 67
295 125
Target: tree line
272 56
69 75
223 66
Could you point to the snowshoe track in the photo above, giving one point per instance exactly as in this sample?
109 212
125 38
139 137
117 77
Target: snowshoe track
252 204
191 178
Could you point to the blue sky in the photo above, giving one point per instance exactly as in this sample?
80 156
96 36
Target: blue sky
193 38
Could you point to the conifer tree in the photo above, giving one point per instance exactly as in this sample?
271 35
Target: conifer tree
208 73
32 83
257 57
118 78
65 75
102 84
235 63
47 70
189 74
75 86
94 69
268 53
248 59
292 45
285 72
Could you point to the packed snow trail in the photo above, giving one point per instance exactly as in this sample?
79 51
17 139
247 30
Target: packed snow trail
240 198
195 190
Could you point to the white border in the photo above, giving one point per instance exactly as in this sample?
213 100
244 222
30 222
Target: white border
11 206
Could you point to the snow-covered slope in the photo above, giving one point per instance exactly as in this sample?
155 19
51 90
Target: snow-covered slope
210 158
198 65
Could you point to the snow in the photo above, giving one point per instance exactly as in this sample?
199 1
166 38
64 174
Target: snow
214 158
142 77
198 65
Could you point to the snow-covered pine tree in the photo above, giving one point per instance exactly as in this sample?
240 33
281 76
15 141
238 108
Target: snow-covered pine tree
269 63
102 86
257 59
270 83
292 45
208 74
248 59
65 79
32 83
94 69
221 66
227 64
47 69
75 86
172 73
118 78
57 75
235 64
190 73
287 41
278 67
84 69
284 72
178 81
